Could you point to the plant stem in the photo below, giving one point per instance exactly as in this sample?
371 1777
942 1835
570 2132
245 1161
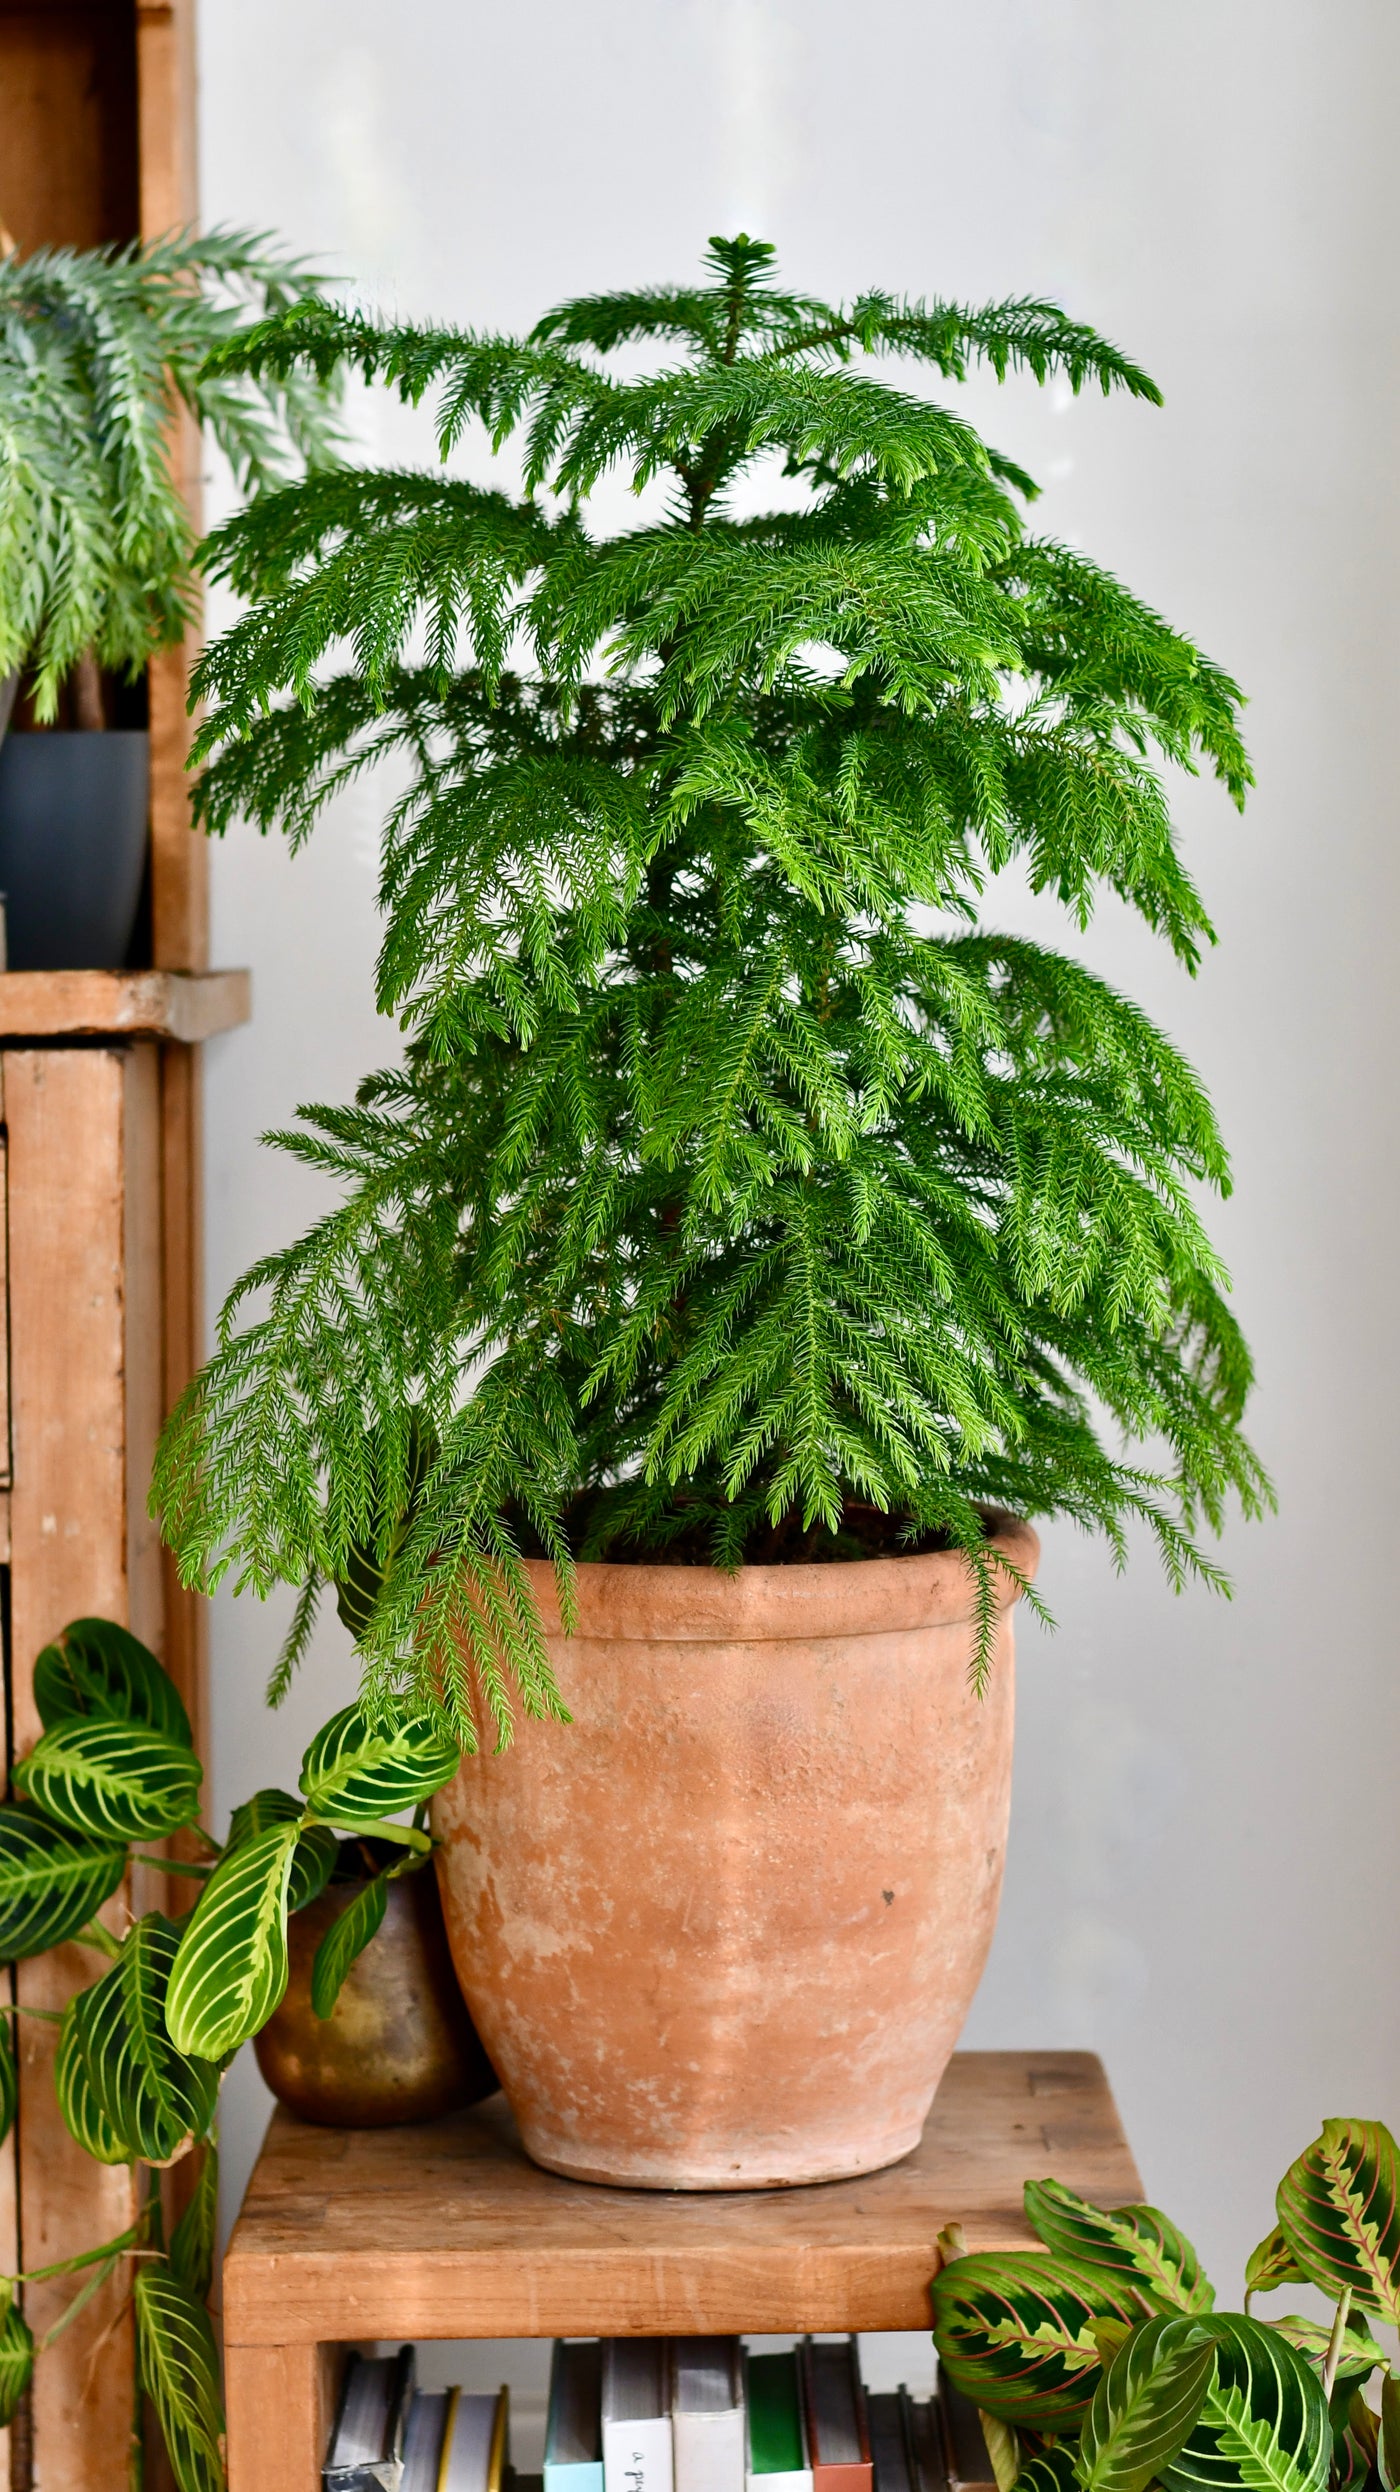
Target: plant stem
1334 2344
92 1934
85 2258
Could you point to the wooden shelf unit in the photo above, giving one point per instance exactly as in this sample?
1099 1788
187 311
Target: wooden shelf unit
448 2230
100 1309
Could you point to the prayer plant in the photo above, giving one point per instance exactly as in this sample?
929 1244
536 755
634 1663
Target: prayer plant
1102 2365
142 2050
741 1196
98 352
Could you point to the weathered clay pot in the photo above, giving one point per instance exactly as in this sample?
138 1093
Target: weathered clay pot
723 1930
399 2044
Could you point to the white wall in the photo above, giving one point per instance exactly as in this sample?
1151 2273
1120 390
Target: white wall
1206 1845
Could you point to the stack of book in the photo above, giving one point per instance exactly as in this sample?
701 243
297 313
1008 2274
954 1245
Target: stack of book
662 2414
392 2436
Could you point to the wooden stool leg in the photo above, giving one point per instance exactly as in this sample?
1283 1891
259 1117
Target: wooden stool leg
280 2401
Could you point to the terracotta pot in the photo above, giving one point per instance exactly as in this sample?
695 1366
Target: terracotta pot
399 2044
723 1930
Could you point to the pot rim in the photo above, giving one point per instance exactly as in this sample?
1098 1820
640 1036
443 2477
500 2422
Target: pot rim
766 1604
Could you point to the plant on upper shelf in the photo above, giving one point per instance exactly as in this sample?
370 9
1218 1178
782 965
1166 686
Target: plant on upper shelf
1104 2366
740 1196
142 2050
98 351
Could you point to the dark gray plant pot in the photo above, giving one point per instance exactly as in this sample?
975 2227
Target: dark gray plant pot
73 812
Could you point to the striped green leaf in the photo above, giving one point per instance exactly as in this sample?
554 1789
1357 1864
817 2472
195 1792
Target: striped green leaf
51 1881
1339 2211
192 2243
1146 2406
1388 2434
1359 2354
348 1936
180 2374
266 1808
16 2356
111 1779
154 2098
231 1965
1015 2332
354 1775
1264 2426
1270 2264
82 2113
317 1849
1135 2241
1050 2469
313 1866
96 1671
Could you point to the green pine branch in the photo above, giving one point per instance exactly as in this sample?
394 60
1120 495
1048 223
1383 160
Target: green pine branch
738 1180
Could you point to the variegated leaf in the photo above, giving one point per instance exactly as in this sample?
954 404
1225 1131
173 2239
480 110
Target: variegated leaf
193 2242
1015 2332
16 2356
51 1881
313 1861
1145 2406
98 1671
1339 2211
1050 2469
1387 2453
1264 2426
1271 2263
1359 2355
111 1779
82 2113
231 1967
180 2374
153 2097
266 1808
313 1866
348 1936
354 1775
1136 2241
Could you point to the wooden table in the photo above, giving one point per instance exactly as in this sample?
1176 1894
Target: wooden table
447 2230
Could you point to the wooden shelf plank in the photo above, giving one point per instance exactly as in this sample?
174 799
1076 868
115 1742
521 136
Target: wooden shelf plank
447 2229
122 1003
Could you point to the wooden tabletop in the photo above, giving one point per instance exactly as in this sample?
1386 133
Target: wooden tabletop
122 1003
447 2230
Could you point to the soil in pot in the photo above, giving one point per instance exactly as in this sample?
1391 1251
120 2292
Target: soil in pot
723 1930
73 836
400 2044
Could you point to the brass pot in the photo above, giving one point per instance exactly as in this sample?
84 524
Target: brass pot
400 2044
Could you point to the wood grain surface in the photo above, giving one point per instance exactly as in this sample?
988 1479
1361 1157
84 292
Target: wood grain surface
83 1126
122 1003
448 2230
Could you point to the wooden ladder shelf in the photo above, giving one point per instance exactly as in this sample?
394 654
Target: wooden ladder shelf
448 2230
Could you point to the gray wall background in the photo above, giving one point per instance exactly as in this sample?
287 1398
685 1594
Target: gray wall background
1206 1843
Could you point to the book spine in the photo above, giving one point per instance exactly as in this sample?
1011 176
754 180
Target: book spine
710 2451
500 2439
637 2457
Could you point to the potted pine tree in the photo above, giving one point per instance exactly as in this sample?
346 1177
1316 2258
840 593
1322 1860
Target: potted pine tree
99 351
752 1243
